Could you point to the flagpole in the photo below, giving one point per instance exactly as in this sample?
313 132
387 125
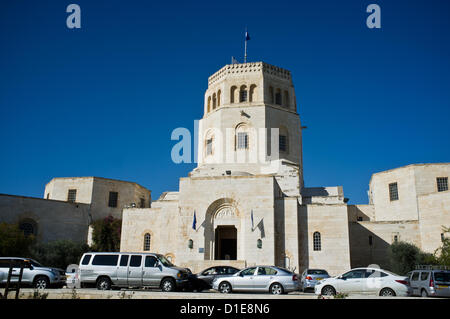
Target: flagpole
245 53
245 46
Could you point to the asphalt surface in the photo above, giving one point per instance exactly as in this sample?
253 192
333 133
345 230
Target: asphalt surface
92 293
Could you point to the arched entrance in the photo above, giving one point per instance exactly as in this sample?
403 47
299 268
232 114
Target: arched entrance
222 228
225 243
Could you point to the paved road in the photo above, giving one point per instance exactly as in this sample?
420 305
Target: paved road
92 293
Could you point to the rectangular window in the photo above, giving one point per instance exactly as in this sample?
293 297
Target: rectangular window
442 184
283 143
113 196
243 96
209 146
105 260
72 195
124 260
393 191
150 261
142 202
135 261
242 142
86 259
278 98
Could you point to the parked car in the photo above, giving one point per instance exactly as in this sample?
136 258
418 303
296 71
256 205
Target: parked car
107 270
34 274
203 280
271 279
365 281
310 277
430 283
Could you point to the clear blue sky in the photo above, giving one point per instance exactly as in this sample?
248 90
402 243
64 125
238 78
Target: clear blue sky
103 100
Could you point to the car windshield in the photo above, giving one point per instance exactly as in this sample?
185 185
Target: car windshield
442 276
317 272
165 262
35 263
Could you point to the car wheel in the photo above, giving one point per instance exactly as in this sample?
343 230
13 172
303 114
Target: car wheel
103 283
387 292
41 282
424 293
276 289
167 285
328 291
225 288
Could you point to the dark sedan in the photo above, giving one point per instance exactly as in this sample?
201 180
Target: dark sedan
204 279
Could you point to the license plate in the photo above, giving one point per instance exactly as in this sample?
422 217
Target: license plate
442 286
319 279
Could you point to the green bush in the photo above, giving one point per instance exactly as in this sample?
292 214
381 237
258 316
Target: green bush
13 242
403 257
106 234
443 253
59 253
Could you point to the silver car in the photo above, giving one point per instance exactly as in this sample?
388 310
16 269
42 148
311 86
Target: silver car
34 274
430 283
271 279
107 270
310 277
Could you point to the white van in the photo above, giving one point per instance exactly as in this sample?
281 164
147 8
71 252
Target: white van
107 270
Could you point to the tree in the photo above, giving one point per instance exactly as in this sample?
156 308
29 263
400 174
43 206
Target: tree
443 253
403 257
59 253
13 242
106 234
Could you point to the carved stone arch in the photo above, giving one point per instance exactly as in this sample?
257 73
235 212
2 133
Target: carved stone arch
222 212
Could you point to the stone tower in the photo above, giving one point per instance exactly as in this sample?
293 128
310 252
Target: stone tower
251 126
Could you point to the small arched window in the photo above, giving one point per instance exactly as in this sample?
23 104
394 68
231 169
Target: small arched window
218 97
243 94
28 226
317 244
214 101
271 100
232 93
278 98
209 104
147 239
252 95
286 98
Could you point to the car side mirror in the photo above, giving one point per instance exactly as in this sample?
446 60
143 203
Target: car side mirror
241 274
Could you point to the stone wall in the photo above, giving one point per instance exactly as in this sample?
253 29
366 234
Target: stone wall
434 212
331 221
54 220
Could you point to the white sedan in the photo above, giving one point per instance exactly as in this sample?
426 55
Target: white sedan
365 281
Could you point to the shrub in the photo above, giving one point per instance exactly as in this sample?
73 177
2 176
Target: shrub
106 234
403 257
13 242
59 253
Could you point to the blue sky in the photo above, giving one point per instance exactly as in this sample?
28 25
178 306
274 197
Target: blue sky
103 100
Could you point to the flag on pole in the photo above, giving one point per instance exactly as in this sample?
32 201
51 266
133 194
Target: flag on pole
252 219
194 222
247 36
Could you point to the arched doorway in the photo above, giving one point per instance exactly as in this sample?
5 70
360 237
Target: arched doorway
225 243
222 230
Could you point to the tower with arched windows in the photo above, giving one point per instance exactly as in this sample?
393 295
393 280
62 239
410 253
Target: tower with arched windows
251 125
